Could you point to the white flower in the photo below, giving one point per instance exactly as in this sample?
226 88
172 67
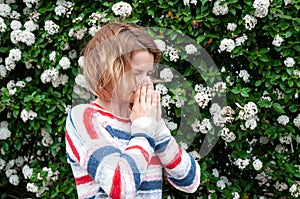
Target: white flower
227 135
235 195
283 119
161 88
261 8
122 9
231 26
2 164
72 54
205 126
2 25
195 155
16 36
27 37
161 45
241 40
190 49
257 164
219 9
183 145
15 25
215 172
285 139
250 22
27 171
242 163
3 71
172 53
280 186
5 10
171 125
63 8
4 133
14 180
245 75
81 61
32 187
31 26
52 56
19 161
65 63
221 184
15 54
289 62
227 44
296 121
277 40
166 74
51 27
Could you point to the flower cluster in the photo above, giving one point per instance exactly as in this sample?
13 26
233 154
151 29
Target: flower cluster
261 8
250 22
227 44
249 114
64 8
277 40
28 115
122 9
4 131
220 8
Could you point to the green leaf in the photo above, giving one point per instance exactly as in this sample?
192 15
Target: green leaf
264 103
278 108
293 108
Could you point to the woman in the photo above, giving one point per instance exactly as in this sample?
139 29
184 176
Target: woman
116 150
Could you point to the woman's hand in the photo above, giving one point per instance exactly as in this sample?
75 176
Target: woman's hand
146 103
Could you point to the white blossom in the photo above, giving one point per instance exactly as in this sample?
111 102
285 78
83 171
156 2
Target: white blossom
285 139
257 164
244 75
63 8
250 22
227 135
277 40
2 164
161 45
280 186
241 40
31 26
52 56
81 61
219 9
215 172
261 8
51 27
289 62
27 171
5 10
27 37
166 74
14 180
235 195
65 63
190 49
283 119
296 121
242 163
15 54
227 44
122 9
231 26
2 25
15 24
32 187
172 53
4 133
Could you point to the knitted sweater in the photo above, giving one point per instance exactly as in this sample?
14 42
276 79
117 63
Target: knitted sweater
108 160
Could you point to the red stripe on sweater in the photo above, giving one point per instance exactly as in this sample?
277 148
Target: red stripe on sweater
88 122
115 191
155 161
83 179
107 114
175 161
73 148
144 152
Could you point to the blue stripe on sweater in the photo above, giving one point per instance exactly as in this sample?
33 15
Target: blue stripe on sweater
96 158
151 185
150 139
134 168
117 133
161 147
187 180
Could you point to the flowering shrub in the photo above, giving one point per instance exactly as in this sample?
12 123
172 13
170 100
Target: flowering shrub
255 48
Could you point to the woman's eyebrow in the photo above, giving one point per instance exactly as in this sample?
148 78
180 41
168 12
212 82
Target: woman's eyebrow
139 70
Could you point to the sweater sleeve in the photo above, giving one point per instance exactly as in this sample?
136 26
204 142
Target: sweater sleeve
182 170
119 172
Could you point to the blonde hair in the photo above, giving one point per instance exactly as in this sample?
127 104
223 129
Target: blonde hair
107 55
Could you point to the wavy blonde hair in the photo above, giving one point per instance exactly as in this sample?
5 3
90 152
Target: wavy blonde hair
107 55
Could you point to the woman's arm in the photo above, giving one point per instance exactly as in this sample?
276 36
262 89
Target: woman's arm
183 172
118 172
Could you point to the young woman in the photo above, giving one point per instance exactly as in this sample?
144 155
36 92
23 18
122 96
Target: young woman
116 150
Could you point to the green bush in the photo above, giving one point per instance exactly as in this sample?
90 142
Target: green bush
255 48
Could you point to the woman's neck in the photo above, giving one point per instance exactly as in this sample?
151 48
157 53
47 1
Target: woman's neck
116 108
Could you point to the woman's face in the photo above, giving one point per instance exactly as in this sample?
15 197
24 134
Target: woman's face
141 68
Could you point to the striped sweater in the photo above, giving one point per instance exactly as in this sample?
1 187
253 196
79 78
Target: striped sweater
108 160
